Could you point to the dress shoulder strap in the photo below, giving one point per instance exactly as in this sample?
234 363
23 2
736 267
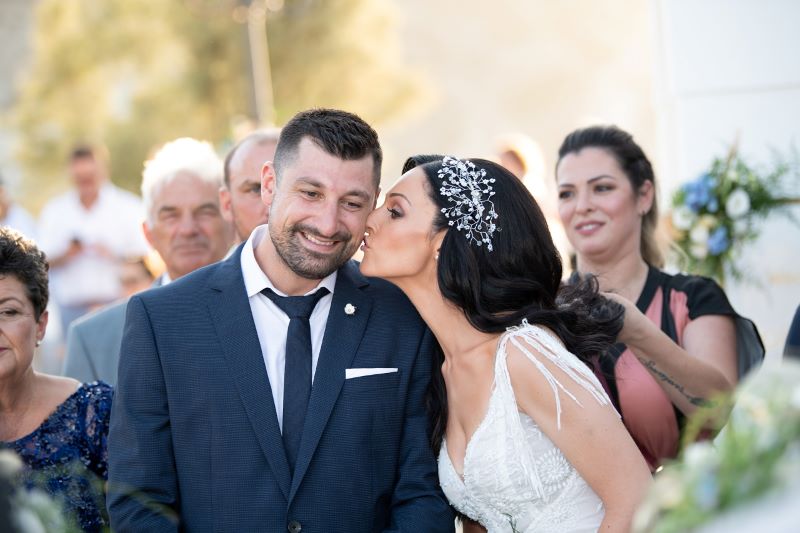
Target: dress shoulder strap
535 342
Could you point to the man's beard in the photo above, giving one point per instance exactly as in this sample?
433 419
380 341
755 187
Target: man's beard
306 263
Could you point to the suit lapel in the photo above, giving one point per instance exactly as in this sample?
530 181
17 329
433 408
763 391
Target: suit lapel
343 333
230 308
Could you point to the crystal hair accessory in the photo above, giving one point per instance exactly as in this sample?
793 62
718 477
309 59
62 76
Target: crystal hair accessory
468 188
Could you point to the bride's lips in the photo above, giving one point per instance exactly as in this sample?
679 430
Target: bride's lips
364 245
588 227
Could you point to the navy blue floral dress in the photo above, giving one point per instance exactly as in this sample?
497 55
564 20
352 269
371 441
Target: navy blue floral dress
66 455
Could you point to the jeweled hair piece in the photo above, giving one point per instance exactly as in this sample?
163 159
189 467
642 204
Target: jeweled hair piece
470 191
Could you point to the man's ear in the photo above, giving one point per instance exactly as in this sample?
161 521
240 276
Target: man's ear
148 233
225 203
377 195
268 183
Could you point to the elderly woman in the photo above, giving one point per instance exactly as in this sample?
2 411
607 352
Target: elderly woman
57 425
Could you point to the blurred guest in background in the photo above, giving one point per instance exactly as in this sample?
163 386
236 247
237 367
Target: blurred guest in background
240 195
184 224
135 276
57 425
14 216
687 342
86 232
522 156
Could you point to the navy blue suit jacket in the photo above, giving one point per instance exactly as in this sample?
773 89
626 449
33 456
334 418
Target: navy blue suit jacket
195 444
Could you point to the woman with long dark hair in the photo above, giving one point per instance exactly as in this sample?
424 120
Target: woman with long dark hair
687 343
526 436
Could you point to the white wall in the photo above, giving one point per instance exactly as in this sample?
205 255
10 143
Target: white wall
730 69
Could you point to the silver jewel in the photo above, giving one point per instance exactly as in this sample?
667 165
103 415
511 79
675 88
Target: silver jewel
467 187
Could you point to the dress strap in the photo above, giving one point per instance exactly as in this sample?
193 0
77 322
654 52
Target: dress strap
527 336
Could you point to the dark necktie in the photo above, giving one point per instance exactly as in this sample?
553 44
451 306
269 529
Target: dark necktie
297 369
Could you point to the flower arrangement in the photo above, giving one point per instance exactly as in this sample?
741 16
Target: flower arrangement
755 457
714 215
32 510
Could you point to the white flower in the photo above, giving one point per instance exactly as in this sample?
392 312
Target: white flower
699 454
699 250
699 234
349 309
682 217
668 489
737 204
10 463
795 398
27 521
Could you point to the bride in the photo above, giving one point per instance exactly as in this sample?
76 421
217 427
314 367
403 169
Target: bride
526 436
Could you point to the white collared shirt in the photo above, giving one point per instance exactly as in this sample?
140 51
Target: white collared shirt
114 222
272 324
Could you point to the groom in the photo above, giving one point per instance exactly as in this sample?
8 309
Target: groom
216 425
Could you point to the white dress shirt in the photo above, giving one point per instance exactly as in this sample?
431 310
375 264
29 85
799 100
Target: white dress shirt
113 222
272 324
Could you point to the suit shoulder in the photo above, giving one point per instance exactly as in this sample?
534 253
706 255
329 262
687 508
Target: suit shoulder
102 317
391 299
183 287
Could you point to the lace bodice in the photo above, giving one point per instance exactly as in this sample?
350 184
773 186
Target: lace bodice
515 478
66 455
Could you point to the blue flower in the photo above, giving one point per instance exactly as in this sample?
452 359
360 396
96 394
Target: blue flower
718 241
698 192
713 205
709 180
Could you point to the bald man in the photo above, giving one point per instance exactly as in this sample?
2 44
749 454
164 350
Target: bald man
240 195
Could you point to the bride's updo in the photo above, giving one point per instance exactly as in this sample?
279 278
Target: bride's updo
519 278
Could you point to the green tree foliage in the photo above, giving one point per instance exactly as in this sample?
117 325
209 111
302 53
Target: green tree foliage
132 74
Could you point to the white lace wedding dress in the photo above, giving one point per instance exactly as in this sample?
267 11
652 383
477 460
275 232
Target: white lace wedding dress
515 479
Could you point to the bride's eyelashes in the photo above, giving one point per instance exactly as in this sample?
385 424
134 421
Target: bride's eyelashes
394 213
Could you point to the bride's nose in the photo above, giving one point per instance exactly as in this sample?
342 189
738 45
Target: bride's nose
372 220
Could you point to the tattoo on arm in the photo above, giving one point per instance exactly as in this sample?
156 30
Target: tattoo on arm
694 400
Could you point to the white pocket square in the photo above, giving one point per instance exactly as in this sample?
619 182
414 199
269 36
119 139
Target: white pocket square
351 373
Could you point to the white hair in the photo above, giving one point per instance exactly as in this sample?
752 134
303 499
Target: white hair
184 155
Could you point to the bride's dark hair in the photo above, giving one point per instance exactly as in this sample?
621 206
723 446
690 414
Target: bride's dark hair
519 279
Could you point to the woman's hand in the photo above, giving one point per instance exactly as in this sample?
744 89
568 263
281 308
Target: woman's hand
688 380
635 325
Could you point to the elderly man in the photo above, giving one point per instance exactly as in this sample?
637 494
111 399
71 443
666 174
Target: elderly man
184 224
86 232
240 196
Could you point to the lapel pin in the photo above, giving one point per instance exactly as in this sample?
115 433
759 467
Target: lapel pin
349 309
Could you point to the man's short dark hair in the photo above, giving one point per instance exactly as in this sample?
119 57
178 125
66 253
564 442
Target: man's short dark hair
339 133
82 151
259 138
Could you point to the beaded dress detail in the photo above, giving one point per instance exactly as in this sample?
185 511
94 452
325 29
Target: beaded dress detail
515 479
66 455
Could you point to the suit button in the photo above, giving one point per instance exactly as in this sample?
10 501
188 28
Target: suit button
294 526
